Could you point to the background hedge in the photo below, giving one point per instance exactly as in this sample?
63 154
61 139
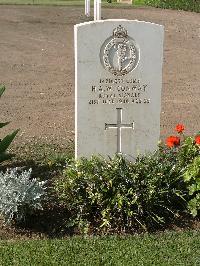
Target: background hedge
188 5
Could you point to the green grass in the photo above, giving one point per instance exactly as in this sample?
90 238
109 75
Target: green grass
139 2
163 249
68 3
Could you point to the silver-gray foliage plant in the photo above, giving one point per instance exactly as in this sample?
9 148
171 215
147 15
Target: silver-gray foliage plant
19 192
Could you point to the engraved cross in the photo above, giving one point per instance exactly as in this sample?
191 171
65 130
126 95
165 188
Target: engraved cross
119 127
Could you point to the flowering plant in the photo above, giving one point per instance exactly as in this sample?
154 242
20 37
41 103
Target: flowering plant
175 141
197 139
114 194
180 128
187 153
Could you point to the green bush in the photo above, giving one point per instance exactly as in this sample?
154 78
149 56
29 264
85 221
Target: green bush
122 196
188 5
6 141
106 195
19 194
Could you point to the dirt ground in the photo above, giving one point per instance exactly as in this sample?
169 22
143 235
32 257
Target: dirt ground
37 67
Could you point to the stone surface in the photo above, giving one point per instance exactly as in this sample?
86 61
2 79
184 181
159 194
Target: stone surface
118 80
125 1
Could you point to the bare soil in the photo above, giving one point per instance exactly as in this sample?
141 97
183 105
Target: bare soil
37 67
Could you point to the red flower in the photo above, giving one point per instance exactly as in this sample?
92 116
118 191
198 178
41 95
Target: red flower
197 139
180 128
173 141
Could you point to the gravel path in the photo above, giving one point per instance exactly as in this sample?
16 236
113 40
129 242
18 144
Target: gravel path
37 67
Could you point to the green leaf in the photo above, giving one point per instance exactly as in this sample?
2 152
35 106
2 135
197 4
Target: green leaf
2 89
194 206
4 124
193 171
4 144
5 156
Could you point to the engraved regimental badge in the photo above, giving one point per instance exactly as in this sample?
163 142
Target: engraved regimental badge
119 53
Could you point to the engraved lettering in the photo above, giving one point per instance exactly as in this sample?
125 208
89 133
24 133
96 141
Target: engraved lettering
93 102
119 91
93 88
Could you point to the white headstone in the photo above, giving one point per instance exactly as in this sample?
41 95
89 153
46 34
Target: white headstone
97 9
87 8
118 80
125 1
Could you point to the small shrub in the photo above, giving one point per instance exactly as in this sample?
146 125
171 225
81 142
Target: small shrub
19 194
105 195
6 141
119 195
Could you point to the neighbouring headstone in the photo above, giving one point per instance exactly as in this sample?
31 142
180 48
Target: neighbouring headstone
118 80
125 1
87 8
97 9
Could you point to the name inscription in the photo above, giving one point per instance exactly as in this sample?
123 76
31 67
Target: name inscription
119 91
